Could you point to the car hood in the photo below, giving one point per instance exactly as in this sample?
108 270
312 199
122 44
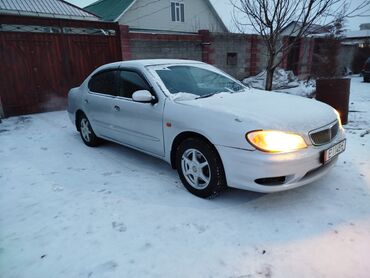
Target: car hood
268 110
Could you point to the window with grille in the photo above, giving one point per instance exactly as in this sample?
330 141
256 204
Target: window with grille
177 12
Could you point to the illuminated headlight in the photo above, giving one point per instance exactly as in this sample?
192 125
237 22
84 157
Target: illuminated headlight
275 141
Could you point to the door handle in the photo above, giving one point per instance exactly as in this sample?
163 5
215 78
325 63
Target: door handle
86 101
117 108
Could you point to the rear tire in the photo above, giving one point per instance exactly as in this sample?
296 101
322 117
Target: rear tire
88 135
200 168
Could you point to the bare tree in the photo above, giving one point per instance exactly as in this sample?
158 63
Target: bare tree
269 18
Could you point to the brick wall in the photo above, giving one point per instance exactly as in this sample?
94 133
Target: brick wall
167 49
237 54
234 45
159 46
305 56
156 46
211 48
206 46
304 60
346 56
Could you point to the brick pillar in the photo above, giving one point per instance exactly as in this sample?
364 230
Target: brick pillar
207 49
254 59
310 55
125 42
284 62
301 56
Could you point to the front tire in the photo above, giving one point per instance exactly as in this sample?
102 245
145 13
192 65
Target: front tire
200 168
87 133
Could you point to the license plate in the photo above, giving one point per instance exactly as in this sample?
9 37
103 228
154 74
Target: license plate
334 151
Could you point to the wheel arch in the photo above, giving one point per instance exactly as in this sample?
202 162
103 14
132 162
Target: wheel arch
186 135
79 113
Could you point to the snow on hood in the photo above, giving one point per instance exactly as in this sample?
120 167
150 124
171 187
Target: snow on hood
181 96
269 110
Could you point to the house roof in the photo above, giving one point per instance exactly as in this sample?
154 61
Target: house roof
313 29
357 34
109 10
112 10
45 8
217 15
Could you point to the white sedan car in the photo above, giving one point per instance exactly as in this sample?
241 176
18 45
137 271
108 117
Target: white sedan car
210 127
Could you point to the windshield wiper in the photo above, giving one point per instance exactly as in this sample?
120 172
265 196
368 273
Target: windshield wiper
205 96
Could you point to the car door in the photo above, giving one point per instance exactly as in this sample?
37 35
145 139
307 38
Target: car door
137 124
98 102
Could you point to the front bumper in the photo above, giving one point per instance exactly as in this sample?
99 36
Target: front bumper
243 167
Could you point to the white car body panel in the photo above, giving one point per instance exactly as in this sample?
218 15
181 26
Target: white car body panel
224 119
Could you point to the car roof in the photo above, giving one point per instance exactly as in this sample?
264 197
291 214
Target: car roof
149 62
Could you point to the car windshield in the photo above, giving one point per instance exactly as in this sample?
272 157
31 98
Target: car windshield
197 81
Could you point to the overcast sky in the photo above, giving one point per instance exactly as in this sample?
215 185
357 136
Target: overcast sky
224 9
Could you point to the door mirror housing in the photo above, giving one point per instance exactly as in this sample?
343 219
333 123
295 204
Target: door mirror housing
143 96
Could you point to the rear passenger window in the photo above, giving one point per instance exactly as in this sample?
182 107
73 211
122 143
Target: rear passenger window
104 83
129 82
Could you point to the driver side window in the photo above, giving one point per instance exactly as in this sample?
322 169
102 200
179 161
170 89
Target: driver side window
129 82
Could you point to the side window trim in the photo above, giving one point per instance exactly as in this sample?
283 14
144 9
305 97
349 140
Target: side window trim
116 70
101 94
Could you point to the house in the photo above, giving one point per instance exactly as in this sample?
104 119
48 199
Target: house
355 48
166 16
361 37
45 8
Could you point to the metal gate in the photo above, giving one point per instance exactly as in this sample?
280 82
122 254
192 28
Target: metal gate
42 58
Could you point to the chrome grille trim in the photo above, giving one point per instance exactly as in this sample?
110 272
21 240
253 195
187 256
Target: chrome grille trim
325 134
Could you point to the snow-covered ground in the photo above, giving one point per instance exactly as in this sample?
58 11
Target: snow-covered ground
67 210
283 82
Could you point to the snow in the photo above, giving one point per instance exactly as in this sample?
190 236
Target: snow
181 96
281 79
67 210
304 89
284 82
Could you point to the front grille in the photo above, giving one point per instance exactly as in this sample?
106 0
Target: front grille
324 136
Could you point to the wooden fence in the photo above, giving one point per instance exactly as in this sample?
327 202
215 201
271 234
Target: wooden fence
42 58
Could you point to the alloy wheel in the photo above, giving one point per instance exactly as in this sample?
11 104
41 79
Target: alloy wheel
195 168
85 129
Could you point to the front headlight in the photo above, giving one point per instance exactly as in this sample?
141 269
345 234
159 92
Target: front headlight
275 141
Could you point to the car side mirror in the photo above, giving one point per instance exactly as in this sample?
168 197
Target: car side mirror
143 96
